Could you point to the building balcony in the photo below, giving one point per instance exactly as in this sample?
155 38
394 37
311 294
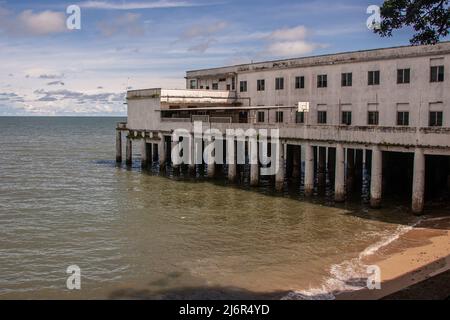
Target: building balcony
183 97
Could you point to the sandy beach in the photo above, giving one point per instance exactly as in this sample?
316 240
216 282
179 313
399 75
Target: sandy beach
413 266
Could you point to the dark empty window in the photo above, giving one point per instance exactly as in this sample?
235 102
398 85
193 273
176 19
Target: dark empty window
403 118
243 86
322 81
299 82
373 118
436 118
279 84
347 79
261 115
261 85
346 118
279 116
374 78
228 87
300 117
437 74
403 75
233 83
322 117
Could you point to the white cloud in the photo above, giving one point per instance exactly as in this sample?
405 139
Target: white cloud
45 22
296 33
291 42
29 22
291 48
108 5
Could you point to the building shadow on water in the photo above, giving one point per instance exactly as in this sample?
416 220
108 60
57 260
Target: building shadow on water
195 293
422 283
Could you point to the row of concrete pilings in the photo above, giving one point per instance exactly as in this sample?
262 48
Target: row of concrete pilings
296 158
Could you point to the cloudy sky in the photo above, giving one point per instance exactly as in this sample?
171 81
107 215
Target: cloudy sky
46 69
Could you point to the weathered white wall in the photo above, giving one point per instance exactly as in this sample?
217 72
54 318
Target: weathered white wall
143 115
418 97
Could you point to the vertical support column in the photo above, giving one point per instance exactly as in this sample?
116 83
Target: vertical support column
175 149
211 163
279 178
145 154
339 184
322 163
376 177
231 159
296 162
418 182
289 160
162 152
129 151
192 153
350 169
254 164
309 170
154 152
118 146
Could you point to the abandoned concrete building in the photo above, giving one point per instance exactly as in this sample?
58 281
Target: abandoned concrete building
385 112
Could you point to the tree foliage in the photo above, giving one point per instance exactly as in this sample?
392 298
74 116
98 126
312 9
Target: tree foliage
430 19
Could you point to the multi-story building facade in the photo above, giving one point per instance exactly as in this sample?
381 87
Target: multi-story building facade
358 105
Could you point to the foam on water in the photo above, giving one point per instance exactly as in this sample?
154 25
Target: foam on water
350 275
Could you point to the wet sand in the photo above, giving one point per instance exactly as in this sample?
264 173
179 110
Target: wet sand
415 266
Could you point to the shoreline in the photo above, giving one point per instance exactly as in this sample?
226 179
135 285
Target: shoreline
420 254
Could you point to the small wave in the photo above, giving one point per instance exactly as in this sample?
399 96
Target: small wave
350 275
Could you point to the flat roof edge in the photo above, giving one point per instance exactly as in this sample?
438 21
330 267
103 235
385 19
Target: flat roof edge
317 56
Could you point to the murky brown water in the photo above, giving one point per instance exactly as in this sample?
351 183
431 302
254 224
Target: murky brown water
64 202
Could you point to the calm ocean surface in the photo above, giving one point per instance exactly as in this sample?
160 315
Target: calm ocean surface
64 202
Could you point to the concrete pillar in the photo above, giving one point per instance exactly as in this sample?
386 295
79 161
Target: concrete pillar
279 178
350 169
376 177
162 152
211 167
231 160
289 160
418 196
296 162
175 149
254 164
309 170
192 153
339 184
154 152
322 164
146 154
129 152
118 146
